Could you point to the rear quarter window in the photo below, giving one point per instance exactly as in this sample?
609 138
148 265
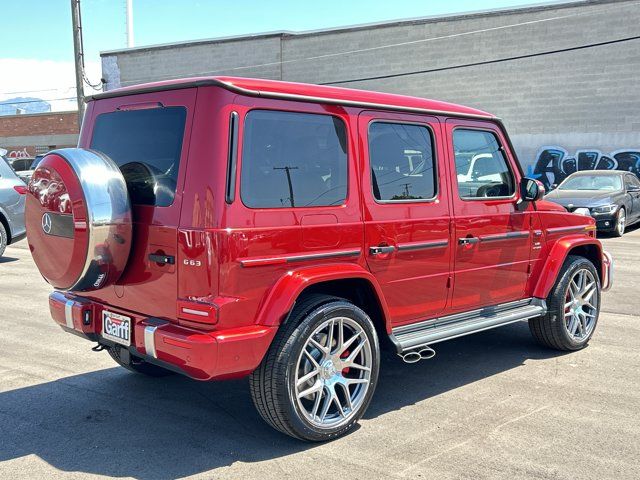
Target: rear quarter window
293 160
146 145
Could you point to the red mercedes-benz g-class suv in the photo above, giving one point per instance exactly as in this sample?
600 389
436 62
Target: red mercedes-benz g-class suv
221 227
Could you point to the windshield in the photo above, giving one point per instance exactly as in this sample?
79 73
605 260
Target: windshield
592 182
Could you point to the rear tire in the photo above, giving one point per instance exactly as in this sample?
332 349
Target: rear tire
328 348
137 365
3 239
573 307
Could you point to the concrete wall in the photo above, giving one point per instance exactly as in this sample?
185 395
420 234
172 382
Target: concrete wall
530 67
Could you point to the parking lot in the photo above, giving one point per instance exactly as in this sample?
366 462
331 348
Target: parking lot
492 405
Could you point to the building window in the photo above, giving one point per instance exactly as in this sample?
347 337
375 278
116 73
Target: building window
293 160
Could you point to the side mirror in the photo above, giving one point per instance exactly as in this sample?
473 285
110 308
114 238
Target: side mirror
531 190
633 188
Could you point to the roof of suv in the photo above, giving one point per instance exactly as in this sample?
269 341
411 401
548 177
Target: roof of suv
305 92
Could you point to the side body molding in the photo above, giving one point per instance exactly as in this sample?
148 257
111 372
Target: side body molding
556 258
281 298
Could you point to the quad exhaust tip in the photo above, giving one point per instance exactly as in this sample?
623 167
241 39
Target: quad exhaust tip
415 355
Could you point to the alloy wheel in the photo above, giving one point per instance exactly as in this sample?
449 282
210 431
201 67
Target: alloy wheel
622 220
581 304
333 373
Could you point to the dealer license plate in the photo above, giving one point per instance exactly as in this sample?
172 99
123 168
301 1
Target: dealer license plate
116 327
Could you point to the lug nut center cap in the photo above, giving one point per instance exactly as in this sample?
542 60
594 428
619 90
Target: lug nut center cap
328 369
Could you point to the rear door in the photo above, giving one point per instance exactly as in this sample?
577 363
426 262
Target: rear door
148 138
406 212
492 229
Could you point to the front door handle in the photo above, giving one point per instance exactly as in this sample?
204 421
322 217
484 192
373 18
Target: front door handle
380 249
468 241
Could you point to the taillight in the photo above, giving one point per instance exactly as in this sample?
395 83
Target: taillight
21 189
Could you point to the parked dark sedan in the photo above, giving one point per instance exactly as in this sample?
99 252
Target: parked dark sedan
612 198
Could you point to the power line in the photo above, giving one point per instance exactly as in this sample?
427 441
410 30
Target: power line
4 102
484 62
38 91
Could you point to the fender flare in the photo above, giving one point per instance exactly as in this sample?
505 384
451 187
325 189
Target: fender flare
556 258
283 295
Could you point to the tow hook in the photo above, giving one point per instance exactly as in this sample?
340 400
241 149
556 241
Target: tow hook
98 348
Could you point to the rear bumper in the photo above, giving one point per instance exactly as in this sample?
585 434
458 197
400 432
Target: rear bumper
607 271
198 354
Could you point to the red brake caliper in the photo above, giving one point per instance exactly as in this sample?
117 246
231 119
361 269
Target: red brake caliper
345 354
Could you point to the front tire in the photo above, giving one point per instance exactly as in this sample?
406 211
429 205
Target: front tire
573 307
318 377
621 222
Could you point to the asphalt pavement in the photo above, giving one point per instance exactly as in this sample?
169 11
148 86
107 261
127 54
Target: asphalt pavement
491 405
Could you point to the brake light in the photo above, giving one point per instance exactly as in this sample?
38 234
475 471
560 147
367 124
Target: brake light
21 189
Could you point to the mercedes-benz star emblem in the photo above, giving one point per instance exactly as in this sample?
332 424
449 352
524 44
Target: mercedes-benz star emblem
46 223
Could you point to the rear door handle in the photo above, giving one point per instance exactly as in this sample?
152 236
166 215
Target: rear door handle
468 241
380 249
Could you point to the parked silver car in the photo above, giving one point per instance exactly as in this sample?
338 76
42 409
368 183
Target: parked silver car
12 196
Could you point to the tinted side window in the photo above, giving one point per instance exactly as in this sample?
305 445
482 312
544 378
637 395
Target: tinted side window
402 162
481 167
293 160
146 145
632 180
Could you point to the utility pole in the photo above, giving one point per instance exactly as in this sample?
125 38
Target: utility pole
78 60
129 23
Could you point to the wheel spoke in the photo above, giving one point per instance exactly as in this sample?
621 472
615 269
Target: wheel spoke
338 403
355 381
307 377
352 356
347 395
315 388
315 343
572 325
348 343
316 403
330 336
311 359
589 290
356 366
327 404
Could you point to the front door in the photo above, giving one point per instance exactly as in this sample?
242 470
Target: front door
406 212
492 229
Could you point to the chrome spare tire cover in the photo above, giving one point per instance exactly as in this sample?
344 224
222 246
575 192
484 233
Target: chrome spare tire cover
78 219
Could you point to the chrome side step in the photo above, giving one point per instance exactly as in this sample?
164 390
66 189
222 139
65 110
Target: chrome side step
410 337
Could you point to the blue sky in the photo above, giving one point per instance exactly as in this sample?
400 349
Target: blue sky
38 38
